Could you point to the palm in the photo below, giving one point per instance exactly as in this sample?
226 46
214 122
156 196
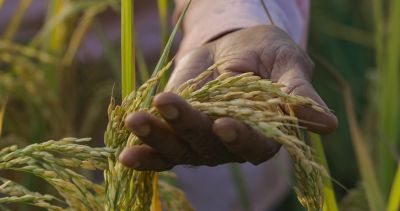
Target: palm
269 53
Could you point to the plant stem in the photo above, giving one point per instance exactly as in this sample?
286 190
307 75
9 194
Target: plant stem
127 48
330 203
240 184
394 197
163 15
164 56
364 161
16 19
388 87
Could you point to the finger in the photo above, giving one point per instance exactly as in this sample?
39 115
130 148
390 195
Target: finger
326 121
193 126
244 141
293 68
157 134
143 157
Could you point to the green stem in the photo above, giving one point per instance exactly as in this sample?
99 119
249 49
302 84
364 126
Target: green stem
240 184
164 56
364 161
127 48
330 203
387 44
163 15
16 19
394 197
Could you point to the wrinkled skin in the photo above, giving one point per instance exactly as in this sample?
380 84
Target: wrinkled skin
189 137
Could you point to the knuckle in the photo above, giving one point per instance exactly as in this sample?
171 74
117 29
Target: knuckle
306 63
292 55
285 51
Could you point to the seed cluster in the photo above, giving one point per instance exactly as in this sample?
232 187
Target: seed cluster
256 102
53 161
259 103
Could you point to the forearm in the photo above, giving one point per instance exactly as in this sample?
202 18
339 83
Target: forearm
208 19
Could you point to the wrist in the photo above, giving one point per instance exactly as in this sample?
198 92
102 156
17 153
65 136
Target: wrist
208 20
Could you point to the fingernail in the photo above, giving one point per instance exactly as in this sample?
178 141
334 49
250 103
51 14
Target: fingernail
141 130
226 134
169 112
126 159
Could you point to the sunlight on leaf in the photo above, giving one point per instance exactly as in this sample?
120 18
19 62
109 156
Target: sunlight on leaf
127 47
163 15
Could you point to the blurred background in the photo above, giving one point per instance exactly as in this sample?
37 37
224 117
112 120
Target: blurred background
60 61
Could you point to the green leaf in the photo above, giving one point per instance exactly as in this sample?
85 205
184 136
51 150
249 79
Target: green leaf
330 203
389 106
142 65
163 15
364 159
164 56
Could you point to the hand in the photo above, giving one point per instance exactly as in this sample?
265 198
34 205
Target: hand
187 136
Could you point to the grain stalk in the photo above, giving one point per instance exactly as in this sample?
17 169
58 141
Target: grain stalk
394 197
127 47
128 188
54 161
258 103
16 19
330 203
388 65
366 167
245 97
163 16
254 101
79 33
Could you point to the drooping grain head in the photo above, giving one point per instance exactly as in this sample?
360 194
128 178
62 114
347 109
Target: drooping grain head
248 98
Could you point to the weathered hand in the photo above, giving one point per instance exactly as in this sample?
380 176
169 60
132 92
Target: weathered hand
188 137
